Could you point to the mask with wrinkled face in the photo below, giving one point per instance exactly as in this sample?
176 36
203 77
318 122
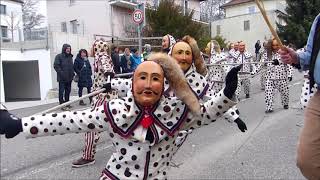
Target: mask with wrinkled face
148 81
242 47
275 45
182 53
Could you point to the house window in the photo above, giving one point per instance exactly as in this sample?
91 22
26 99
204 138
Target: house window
246 25
3 9
218 29
251 9
4 31
64 27
74 26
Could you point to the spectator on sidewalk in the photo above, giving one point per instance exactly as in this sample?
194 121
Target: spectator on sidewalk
308 155
257 47
115 59
125 61
135 59
63 64
146 52
83 69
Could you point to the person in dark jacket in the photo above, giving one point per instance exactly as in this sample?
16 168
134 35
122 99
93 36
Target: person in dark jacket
115 60
125 61
257 47
63 64
83 69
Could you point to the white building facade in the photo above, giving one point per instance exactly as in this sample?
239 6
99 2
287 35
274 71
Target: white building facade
244 22
11 20
25 66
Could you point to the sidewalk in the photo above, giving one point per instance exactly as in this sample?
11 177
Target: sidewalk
27 104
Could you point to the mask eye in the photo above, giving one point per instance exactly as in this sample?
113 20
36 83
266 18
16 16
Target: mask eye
142 77
155 78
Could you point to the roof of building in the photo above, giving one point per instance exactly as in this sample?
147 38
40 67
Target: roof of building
235 2
18 1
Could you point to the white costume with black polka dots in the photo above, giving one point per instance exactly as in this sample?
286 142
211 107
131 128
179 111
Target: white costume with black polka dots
306 94
102 64
276 78
216 74
264 72
244 80
135 157
233 55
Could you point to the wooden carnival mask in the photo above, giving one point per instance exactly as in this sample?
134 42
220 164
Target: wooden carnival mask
275 45
182 53
148 81
242 47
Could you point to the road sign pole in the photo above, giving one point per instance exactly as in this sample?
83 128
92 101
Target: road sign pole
138 18
140 39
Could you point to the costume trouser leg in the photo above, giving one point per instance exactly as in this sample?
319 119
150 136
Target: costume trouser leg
246 85
91 140
263 80
238 90
308 155
282 86
269 93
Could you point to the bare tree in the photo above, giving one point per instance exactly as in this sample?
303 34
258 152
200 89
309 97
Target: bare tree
30 16
211 9
12 20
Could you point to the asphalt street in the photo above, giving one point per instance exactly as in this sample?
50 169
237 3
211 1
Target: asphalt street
218 151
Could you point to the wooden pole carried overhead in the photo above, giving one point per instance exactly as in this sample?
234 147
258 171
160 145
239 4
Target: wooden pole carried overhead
265 17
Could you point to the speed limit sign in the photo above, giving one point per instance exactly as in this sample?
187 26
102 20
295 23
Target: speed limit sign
137 16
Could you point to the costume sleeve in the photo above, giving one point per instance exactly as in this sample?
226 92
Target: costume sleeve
65 122
76 66
123 86
57 64
210 111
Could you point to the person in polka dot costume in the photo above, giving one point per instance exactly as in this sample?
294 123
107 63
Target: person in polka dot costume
234 53
187 55
277 76
103 67
218 73
244 57
142 127
167 42
194 70
264 66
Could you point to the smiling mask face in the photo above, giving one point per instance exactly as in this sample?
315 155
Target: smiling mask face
182 53
148 81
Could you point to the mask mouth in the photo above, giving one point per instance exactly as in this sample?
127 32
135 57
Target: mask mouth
148 92
183 63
